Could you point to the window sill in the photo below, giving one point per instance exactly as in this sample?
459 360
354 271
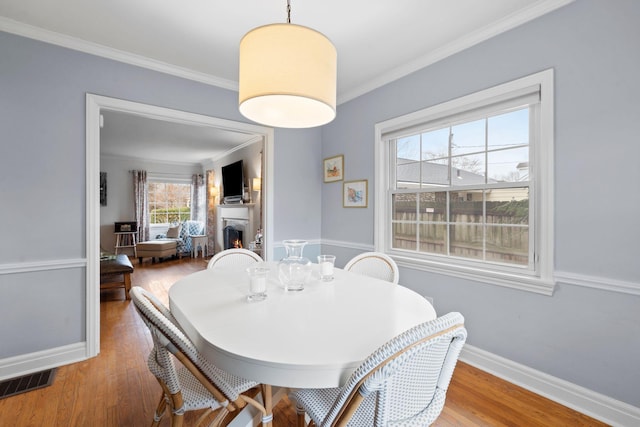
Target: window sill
520 282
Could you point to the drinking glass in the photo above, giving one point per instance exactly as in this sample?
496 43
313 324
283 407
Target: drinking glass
326 263
257 283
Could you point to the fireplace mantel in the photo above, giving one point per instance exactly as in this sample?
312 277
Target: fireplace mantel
240 215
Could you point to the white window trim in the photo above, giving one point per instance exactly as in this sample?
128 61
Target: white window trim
170 179
542 281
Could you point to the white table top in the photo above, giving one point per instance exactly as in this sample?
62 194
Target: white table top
314 338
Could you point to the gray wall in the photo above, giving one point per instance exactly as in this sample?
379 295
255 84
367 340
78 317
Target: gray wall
42 180
583 335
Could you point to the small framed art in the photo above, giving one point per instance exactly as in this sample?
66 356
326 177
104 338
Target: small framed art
103 189
355 194
333 168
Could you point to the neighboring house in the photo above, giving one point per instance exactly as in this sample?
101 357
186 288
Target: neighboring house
579 346
409 172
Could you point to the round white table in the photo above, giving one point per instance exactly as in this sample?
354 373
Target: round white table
314 338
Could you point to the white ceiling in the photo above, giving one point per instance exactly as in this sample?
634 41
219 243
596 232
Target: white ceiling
377 41
128 135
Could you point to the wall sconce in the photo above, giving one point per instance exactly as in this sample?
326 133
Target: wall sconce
213 193
257 184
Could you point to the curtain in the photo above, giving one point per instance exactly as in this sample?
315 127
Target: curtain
212 194
198 199
141 202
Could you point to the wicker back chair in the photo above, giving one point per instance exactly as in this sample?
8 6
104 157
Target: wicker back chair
236 257
404 382
375 264
195 383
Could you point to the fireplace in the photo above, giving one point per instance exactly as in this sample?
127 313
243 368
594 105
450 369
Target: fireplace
232 237
238 217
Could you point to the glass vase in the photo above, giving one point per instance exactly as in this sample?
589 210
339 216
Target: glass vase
294 270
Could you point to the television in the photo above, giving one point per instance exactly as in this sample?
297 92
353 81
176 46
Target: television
233 182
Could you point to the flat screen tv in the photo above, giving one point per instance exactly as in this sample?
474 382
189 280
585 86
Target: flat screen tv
233 182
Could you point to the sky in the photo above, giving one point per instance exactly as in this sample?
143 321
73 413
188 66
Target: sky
507 142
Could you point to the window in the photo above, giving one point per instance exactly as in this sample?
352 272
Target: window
465 187
169 202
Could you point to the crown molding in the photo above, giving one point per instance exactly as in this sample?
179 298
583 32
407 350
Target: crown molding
40 34
512 21
515 19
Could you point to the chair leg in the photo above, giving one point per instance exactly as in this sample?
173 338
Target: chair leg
223 418
267 399
177 410
203 417
177 420
157 416
301 422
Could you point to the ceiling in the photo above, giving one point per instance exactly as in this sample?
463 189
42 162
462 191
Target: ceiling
128 135
198 39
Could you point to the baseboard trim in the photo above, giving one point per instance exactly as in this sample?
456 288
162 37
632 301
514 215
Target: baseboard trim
595 405
24 364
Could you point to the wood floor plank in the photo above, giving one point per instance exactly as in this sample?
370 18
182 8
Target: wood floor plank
117 389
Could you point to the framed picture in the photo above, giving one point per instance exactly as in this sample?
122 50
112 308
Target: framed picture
333 168
103 189
355 194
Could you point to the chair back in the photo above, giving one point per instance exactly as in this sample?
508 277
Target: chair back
405 381
168 340
374 264
236 257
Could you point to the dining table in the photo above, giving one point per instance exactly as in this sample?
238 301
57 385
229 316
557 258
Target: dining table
312 338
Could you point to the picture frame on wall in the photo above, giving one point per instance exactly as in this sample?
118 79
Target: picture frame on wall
355 194
333 168
103 189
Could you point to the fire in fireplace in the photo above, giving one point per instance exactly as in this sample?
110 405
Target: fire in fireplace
232 237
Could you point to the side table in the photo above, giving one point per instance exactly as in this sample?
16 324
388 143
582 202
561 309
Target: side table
126 239
199 240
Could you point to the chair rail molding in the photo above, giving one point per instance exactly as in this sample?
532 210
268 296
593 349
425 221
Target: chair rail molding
32 266
348 245
602 283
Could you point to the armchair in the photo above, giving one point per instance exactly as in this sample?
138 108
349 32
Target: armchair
187 229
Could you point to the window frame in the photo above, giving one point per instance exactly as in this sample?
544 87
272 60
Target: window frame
165 179
539 279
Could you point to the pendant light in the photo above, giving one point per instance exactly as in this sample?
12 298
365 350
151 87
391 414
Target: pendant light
287 76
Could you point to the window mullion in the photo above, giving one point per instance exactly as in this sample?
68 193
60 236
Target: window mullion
515 189
484 192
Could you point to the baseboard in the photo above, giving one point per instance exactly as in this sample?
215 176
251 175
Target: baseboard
24 364
583 400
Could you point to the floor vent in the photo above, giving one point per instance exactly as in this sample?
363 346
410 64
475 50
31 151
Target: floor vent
26 383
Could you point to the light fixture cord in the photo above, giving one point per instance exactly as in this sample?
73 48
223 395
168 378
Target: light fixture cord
288 11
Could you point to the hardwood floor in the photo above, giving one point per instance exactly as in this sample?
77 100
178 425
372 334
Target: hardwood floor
116 388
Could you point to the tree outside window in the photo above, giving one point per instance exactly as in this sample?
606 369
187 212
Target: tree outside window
169 202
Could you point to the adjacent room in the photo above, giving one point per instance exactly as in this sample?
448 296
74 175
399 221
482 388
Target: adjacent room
444 161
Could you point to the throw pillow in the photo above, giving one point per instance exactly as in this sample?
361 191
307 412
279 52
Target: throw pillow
174 231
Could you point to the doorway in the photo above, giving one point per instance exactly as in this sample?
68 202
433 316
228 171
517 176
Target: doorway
95 105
